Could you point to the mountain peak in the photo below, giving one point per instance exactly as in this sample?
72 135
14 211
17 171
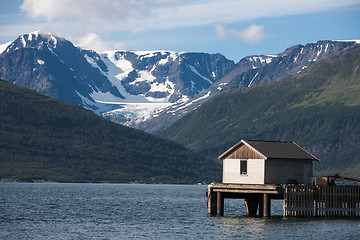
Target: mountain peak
34 39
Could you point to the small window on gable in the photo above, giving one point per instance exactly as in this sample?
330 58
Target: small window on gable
243 167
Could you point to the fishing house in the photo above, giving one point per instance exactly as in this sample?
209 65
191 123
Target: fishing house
259 171
260 162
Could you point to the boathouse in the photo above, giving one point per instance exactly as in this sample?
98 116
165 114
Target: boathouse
259 171
267 162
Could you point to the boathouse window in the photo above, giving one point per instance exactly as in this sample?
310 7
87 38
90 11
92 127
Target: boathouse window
243 167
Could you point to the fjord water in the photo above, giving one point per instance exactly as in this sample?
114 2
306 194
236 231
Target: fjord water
131 211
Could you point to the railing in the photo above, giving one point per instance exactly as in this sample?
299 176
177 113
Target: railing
321 201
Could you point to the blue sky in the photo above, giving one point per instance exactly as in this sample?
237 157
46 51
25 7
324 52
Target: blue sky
234 28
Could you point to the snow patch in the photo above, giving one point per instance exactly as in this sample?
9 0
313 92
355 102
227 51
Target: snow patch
350 40
4 46
190 103
93 63
118 69
23 41
192 86
41 62
326 47
197 73
163 61
167 86
143 76
174 55
134 113
104 97
122 66
262 60
319 51
54 40
253 79
35 33
219 88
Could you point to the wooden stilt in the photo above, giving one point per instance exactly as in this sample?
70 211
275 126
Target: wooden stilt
212 199
251 204
219 204
261 205
266 205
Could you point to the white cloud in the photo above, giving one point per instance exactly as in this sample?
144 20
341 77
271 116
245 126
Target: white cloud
150 15
85 11
253 34
94 42
220 31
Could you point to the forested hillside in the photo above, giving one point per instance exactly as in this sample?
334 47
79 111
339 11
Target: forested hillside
318 108
45 139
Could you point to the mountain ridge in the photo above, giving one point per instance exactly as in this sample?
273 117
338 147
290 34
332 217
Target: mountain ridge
148 90
250 71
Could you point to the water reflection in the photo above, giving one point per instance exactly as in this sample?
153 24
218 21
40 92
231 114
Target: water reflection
244 225
236 207
236 224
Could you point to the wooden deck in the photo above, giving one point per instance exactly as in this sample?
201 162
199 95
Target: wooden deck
299 200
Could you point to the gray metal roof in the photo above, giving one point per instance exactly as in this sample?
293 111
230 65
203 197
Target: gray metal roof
274 150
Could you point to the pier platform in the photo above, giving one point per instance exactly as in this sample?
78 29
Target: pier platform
299 200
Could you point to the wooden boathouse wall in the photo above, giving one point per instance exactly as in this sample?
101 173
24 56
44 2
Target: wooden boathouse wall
322 201
299 200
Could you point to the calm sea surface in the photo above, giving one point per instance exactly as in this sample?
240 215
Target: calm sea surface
126 211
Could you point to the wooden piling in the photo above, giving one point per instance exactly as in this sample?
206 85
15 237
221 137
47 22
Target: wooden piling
266 205
219 204
261 205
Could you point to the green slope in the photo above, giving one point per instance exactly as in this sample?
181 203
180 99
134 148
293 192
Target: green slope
318 108
45 139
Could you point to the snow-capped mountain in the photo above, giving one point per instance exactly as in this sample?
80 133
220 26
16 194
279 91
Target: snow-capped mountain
125 86
55 67
249 72
144 89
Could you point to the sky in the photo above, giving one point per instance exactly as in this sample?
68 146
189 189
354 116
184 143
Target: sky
234 28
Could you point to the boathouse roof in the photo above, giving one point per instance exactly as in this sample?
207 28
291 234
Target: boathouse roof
272 150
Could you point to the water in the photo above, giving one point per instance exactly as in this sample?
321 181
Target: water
125 211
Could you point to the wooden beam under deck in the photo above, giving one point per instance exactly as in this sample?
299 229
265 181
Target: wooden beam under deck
246 188
252 193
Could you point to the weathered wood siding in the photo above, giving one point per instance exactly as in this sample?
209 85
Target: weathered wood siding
244 152
288 171
255 171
